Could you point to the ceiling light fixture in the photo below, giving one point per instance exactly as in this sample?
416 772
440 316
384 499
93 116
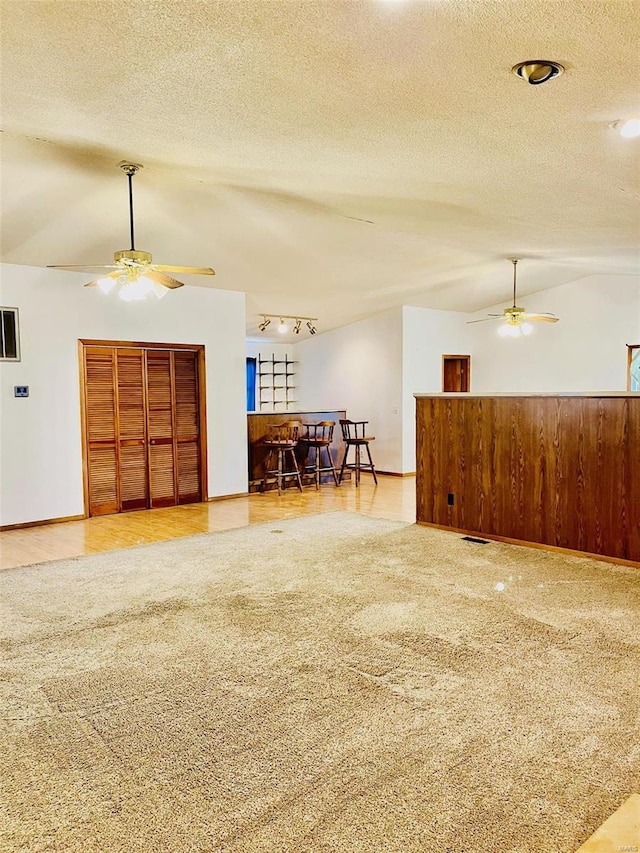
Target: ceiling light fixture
516 321
627 128
537 71
282 326
133 271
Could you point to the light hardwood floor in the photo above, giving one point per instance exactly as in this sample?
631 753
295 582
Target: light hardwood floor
393 498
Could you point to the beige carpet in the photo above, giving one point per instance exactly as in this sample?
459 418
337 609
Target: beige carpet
329 683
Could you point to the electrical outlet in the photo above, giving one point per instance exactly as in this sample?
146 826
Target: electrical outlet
20 390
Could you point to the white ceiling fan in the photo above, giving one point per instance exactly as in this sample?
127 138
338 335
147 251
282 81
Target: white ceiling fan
133 271
516 321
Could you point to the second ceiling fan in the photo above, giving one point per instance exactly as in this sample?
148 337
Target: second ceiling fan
133 270
516 321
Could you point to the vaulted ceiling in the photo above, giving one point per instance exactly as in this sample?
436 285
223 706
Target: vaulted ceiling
329 158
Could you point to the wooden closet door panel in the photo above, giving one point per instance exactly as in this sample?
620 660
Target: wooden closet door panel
101 430
187 426
188 472
160 428
103 480
134 480
100 394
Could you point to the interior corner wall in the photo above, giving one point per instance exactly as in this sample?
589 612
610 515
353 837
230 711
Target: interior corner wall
268 348
427 335
41 457
585 351
359 368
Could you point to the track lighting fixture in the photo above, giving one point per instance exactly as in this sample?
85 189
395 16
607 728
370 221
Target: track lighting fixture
282 324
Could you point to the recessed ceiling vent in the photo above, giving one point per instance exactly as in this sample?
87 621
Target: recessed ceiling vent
537 71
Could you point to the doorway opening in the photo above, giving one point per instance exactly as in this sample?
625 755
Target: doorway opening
456 373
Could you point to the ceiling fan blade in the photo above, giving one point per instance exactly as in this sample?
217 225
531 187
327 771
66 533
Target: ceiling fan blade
188 270
484 319
83 267
541 318
165 280
97 281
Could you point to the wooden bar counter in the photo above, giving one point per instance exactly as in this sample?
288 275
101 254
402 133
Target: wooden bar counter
257 431
561 470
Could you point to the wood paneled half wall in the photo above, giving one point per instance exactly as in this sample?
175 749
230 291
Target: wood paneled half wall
561 470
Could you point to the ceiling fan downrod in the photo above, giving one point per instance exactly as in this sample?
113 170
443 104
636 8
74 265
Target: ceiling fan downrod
514 261
130 169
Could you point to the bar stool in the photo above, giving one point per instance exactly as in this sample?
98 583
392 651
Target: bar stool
319 436
353 435
282 439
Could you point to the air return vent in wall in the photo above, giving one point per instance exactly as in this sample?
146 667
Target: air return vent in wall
9 335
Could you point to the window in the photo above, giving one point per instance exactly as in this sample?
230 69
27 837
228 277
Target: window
633 369
251 384
9 335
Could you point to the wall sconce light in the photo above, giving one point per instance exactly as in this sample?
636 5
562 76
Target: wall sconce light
282 326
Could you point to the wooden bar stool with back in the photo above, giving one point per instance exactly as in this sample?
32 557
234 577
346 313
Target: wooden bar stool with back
353 435
319 437
281 440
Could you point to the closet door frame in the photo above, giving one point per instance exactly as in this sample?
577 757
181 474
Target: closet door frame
202 404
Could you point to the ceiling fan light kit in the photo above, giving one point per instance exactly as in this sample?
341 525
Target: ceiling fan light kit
133 271
516 322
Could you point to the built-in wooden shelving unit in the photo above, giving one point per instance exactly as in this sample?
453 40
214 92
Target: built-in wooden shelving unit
276 383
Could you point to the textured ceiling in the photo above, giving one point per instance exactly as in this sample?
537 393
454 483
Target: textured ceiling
328 158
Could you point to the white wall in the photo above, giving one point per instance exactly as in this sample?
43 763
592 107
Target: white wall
585 351
359 368
266 349
41 458
427 335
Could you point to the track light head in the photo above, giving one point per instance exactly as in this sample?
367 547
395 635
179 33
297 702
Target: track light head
311 327
265 322
282 326
296 328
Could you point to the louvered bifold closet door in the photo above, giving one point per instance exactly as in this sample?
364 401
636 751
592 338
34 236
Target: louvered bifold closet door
160 428
186 426
132 439
101 431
